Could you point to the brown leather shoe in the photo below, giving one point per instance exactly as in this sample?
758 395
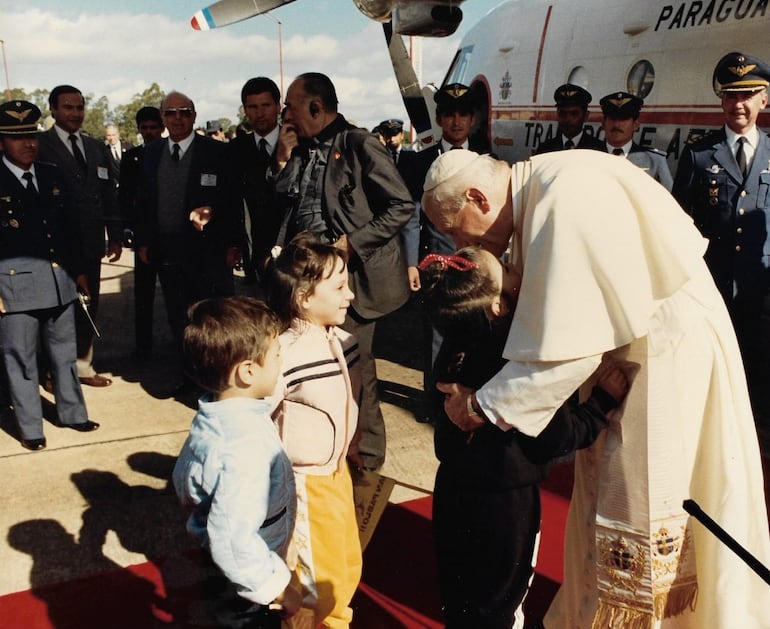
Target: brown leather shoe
95 381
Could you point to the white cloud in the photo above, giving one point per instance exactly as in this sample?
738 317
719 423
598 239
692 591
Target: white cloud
121 54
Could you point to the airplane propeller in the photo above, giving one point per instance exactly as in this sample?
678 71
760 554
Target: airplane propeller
409 86
227 12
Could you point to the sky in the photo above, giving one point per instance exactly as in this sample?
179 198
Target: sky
118 48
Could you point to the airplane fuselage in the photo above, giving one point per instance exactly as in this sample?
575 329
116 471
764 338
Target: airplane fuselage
663 51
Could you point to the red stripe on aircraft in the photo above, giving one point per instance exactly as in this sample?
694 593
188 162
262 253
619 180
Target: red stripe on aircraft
540 52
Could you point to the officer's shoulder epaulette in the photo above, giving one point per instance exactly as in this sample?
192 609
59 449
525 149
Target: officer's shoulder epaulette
656 151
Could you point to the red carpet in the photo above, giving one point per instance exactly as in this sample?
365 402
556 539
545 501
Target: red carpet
398 587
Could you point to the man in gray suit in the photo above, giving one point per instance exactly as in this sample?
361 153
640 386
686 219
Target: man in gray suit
621 121
39 261
86 168
722 181
340 182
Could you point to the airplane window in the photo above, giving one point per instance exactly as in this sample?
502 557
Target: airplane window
459 67
578 76
641 78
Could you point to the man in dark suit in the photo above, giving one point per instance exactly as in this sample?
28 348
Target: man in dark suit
572 112
116 150
187 224
39 261
722 182
391 134
150 126
339 182
85 165
251 156
621 120
456 115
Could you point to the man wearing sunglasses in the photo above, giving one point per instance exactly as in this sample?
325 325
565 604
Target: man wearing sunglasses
186 223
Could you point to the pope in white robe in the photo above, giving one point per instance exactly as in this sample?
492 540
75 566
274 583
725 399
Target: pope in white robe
612 269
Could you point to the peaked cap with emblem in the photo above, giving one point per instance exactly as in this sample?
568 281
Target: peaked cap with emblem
621 105
569 94
390 127
737 72
455 97
18 117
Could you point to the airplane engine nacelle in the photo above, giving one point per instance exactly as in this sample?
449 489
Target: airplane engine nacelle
378 10
428 19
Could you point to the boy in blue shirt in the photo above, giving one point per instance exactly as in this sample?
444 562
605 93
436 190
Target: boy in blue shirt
233 473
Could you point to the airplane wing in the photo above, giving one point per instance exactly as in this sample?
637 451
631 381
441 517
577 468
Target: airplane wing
409 87
227 12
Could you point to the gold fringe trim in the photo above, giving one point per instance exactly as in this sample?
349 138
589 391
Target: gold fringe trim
676 600
667 604
609 616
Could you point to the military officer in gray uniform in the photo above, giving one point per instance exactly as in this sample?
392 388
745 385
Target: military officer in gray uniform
621 120
39 260
723 182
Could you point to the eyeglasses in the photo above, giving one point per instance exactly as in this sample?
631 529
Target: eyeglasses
184 112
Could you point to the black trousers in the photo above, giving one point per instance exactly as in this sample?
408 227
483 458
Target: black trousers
225 608
484 540
746 315
144 299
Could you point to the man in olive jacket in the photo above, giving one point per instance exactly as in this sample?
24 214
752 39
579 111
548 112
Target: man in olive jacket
338 181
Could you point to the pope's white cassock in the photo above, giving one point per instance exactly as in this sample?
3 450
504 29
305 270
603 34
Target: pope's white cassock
612 270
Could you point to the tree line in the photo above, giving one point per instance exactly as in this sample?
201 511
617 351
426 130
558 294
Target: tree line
98 111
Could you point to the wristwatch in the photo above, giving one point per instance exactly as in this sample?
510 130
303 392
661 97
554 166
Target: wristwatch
472 412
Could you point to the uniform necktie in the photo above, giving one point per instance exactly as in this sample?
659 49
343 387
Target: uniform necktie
569 144
77 152
394 152
116 153
29 178
617 151
740 156
175 152
263 153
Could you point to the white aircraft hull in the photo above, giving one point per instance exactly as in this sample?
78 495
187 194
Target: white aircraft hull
521 51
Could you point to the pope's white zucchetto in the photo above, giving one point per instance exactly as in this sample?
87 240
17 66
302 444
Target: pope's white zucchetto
447 165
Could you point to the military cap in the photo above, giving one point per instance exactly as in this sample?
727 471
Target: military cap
621 105
569 94
391 127
18 117
455 97
737 72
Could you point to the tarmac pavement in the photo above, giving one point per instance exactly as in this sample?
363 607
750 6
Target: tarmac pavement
98 500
